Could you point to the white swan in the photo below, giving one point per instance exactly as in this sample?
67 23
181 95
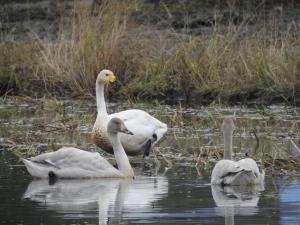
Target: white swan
229 172
69 162
147 129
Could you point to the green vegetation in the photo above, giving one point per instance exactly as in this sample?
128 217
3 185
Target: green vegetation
204 56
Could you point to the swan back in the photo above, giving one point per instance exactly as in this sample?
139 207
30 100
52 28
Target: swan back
250 165
143 125
69 162
224 168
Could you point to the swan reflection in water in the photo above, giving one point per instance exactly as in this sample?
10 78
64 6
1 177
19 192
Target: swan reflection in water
113 196
236 200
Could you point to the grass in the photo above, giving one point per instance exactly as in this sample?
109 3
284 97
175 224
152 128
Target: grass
18 63
94 42
213 65
225 64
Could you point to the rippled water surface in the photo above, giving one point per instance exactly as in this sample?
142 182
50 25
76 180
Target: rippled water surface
170 188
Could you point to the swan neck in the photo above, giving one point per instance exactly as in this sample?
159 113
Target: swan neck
228 144
101 105
120 155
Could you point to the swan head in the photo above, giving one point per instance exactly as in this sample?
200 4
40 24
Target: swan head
106 76
228 125
116 125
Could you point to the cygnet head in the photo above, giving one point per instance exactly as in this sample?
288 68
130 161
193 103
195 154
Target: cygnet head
106 76
116 125
228 125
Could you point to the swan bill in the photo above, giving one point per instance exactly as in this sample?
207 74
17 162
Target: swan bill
111 77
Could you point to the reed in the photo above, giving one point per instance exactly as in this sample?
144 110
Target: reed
226 64
223 66
96 40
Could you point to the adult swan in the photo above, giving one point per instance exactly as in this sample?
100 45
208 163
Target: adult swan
69 162
229 172
147 129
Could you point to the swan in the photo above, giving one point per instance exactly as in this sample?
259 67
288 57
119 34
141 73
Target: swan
147 129
229 172
69 162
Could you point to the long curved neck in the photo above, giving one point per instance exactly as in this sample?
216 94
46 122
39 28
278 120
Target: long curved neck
120 155
227 135
101 105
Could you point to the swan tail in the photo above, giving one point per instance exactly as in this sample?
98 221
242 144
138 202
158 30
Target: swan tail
37 169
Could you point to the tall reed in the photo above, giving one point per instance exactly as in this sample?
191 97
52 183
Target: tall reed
230 61
97 39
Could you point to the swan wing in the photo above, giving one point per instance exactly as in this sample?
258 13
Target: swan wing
250 165
223 170
243 172
69 162
136 117
143 126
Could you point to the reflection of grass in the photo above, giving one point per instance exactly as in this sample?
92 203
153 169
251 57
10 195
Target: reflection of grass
55 105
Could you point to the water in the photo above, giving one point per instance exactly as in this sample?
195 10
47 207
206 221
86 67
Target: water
167 190
148 199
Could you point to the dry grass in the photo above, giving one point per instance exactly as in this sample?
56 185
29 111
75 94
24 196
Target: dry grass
17 66
94 42
225 65
222 64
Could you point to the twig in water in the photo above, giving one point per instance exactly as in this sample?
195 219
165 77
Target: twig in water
257 141
199 156
170 165
295 147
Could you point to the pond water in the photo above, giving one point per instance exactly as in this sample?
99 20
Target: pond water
170 188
